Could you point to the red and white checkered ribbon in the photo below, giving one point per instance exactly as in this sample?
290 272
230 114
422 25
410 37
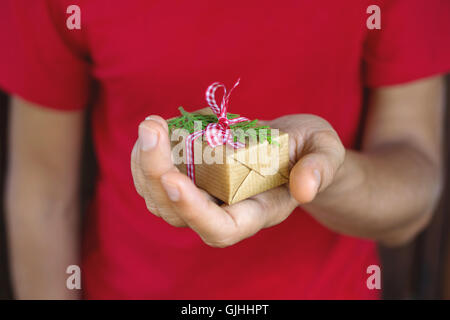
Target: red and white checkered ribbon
218 133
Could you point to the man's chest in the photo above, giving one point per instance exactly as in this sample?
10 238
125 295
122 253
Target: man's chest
292 56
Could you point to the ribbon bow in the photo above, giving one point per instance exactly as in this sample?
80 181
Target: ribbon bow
218 133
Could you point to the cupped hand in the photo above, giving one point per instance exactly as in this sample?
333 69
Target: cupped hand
316 154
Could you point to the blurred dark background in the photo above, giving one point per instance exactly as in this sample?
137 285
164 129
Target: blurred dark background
419 270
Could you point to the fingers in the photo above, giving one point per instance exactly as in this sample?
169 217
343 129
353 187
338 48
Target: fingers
154 147
151 158
315 152
317 167
205 217
138 176
226 225
305 178
262 210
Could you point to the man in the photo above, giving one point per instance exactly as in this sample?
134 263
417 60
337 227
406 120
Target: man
302 63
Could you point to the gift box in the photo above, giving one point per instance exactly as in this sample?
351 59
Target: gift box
229 156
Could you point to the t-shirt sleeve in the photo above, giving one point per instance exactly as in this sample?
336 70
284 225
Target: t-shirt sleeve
413 42
38 60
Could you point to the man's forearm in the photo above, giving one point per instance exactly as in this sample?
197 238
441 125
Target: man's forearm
387 194
43 242
42 198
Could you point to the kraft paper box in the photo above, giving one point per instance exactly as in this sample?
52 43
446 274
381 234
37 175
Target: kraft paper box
236 174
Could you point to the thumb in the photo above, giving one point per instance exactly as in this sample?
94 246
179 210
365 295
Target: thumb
311 174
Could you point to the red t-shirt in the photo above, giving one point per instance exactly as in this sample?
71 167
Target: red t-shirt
149 57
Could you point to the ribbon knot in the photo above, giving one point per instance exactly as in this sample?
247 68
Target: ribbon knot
218 133
223 122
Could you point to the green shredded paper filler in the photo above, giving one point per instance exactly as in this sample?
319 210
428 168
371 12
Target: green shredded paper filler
241 130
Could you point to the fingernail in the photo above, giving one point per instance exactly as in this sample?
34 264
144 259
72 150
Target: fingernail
151 117
317 178
172 190
148 138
